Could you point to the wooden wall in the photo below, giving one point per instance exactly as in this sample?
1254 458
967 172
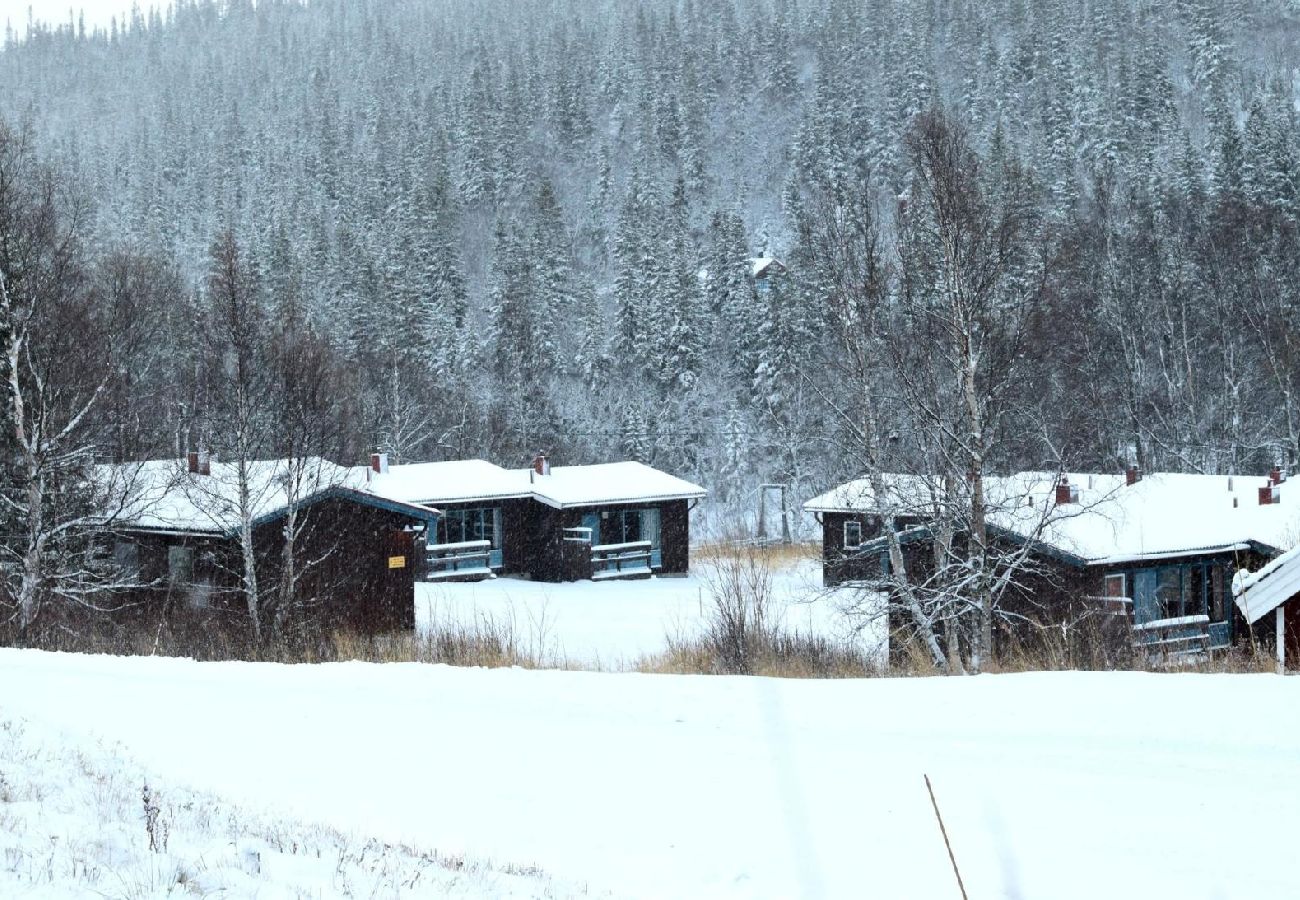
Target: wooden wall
352 587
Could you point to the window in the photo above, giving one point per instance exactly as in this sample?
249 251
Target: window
1169 592
1116 585
852 535
628 525
459 525
126 556
180 565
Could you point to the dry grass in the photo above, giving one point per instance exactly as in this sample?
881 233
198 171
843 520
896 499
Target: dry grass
774 556
487 643
784 656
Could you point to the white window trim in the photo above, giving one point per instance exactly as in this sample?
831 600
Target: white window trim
1123 585
858 525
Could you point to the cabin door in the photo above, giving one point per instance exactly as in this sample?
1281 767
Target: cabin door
1146 605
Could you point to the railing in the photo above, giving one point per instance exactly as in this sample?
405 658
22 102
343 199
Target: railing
463 559
621 560
1115 606
1173 639
578 535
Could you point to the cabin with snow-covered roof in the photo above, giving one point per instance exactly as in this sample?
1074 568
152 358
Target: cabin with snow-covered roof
1160 550
544 522
175 527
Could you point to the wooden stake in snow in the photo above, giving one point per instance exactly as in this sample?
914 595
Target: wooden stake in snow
1281 639
944 831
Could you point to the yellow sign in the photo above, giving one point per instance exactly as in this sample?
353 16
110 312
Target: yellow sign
397 562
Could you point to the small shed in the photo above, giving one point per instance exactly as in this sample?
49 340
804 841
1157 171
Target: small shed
356 555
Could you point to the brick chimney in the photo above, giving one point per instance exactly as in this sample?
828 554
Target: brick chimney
1276 476
192 462
1270 494
1132 476
1066 492
198 462
541 465
379 463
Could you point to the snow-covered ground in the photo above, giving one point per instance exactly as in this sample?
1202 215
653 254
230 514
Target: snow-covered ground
1061 785
80 819
611 625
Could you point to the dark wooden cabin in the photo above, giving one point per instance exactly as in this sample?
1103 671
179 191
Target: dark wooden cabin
567 523
358 555
1157 555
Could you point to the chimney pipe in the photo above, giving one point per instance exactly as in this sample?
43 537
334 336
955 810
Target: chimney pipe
541 465
1132 476
1066 492
379 463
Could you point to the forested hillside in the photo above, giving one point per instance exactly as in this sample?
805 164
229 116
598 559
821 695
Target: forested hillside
515 225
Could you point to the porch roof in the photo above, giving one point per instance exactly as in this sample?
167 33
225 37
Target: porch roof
1259 593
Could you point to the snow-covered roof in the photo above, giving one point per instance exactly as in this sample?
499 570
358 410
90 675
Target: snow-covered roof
473 481
1259 593
620 482
163 495
760 264
457 481
1163 515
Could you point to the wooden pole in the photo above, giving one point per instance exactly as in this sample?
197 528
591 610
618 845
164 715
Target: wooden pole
944 831
1281 639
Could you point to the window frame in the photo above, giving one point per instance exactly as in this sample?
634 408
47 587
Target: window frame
857 526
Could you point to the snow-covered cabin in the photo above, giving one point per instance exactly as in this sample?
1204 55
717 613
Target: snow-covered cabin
1162 549
764 270
176 529
560 523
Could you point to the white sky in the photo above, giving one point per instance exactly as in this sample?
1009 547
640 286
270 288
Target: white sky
97 12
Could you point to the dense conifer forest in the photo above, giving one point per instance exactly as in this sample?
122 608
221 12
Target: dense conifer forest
495 227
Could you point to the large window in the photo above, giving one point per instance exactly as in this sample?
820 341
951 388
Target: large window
628 525
481 524
1194 589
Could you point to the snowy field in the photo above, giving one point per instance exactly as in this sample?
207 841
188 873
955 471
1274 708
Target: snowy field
1060 785
611 625
80 819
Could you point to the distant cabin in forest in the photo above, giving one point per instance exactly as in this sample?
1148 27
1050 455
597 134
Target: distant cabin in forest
177 527
562 523
765 270
1157 552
